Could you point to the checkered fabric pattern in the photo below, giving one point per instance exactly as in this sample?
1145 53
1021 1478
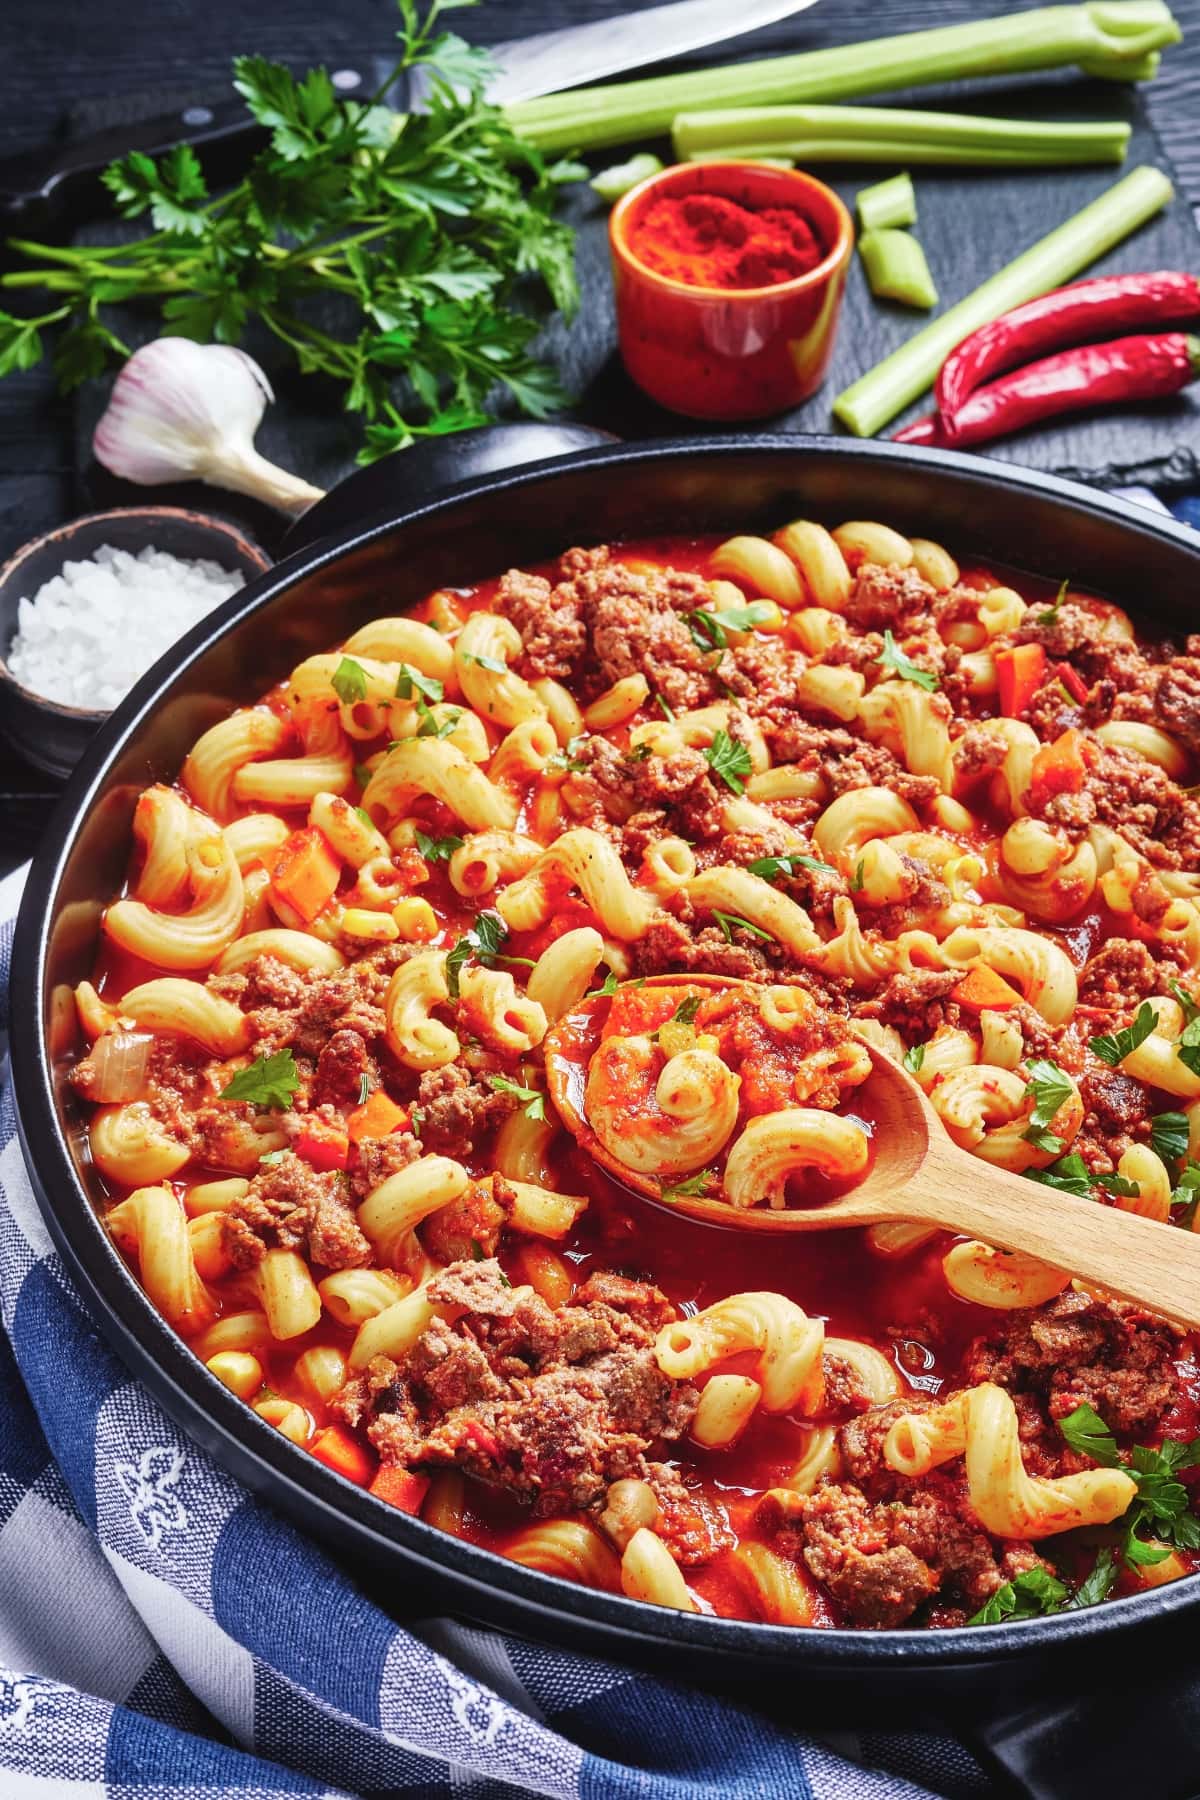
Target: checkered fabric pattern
164 1634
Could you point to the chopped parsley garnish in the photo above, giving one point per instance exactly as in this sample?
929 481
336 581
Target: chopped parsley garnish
1069 1174
411 684
482 943
1191 1011
1188 1047
569 758
486 662
1026 1596
477 1250
1162 1501
1169 1135
684 1013
1098 1584
694 1184
895 662
856 886
729 759
609 986
268 1084
1050 614
429 724
360 812
272 1156
1186 1196
362 774
349 681
729 922
770 868
1049 1089
437 849
664 709
1114 1046
364 1088
710 630
533 1101
1120 1185
913 1059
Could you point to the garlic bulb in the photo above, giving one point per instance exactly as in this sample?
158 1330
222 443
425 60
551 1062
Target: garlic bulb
181 410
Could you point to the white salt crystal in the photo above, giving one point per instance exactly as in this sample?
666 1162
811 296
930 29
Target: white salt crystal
88 634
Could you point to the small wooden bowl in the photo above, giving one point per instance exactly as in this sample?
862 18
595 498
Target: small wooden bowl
45 732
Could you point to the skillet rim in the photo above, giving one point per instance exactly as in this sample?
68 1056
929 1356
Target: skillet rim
316 1500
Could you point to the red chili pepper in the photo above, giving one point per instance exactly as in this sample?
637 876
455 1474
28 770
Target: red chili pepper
1084 312
1131 368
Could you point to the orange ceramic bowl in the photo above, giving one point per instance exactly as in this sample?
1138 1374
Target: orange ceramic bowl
730 353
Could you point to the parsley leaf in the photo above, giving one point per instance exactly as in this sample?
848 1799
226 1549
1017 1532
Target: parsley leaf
860 873
1026 1596
895 662
268 1084
1097 1585
411 682
710 630
1043 1139
1120 1185
729 759
729 922
770 868
429 724
1114 1046
1088 1435
532 1099
694 1184
486 662
1050 613
1169 1135
1186 1196
664 709
362 774
1069 1174
913 1059
482 943
364 1088
1049 1089
437 849
1187 1049
1191 1011
686 1011
349 681
610 986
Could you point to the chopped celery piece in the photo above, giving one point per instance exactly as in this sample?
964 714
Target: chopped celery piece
1116 39
887 204
891 134
896 267
888 388
610 184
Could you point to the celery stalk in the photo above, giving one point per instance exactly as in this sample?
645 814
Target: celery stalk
886 389
1112 38
896 268
872 134
887 204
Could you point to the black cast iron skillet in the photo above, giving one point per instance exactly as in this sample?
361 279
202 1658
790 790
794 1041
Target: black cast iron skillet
1074 1707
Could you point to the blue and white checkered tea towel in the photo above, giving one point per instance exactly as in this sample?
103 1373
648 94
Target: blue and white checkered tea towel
164 1634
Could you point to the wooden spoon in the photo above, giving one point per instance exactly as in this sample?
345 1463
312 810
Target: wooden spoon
919 1174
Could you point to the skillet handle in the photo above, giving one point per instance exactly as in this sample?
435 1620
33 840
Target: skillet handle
409 478
1131 1734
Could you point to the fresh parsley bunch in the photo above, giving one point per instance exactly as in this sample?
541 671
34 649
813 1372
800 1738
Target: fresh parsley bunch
391 253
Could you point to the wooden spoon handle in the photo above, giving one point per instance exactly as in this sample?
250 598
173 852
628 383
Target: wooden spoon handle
1137 1259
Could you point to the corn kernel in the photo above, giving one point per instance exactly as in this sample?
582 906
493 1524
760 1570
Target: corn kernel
415 920
376 927
241 1373
675 1037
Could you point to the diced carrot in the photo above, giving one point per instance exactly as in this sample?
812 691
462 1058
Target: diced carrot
981 988
401 1488
338 1450
378 1117
1072 680
322 1146
1060 767
306 871
1020 673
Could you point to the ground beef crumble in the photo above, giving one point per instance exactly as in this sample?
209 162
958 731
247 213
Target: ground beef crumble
550 1404
290 1206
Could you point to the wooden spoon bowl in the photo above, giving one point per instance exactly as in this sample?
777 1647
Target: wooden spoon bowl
918 1174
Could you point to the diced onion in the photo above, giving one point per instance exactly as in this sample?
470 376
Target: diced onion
119 1062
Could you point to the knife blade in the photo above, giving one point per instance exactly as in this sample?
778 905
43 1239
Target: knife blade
41 189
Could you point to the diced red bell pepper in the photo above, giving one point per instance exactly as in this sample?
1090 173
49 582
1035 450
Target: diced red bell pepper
1020 672
322 1146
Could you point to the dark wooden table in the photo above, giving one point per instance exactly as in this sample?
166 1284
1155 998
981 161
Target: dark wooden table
65 67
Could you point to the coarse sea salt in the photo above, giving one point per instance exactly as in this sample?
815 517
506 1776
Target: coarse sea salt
87 635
